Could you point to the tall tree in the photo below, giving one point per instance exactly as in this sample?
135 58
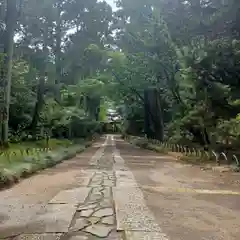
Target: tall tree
6 68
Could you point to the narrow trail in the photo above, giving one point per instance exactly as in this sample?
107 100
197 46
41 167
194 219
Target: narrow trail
120 192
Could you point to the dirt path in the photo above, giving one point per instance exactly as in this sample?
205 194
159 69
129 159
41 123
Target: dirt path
187 203
117 191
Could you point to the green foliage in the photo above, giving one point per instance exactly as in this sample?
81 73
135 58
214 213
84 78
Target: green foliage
74 58
58 67
17 151
103 112
208 87
183 49
11 172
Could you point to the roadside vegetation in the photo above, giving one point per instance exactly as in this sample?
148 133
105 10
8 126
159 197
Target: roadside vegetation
182 72
22 163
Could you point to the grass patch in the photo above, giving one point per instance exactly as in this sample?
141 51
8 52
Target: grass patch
13 167
52 143
17 151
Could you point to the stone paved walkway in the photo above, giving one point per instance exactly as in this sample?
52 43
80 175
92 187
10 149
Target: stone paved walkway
109 206
115 191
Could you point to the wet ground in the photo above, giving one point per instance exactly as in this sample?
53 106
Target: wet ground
116 191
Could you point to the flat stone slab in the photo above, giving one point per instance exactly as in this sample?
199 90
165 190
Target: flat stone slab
139 235
95 158
84 177
87 213
125 178
106 204
94 220
56 218
103 212
83 181
108 220
87 207
108 183
79 224
96 197
128 194
97 190
78 238
46 236
131 210
71 196
114 235
15 217
107 192
99 230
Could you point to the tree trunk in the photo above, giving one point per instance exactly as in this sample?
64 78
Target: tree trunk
39 103
58 54
92 107
6 71
147 124
41 88
153 114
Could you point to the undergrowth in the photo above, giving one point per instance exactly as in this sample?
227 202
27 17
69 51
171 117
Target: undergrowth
146 145
14 167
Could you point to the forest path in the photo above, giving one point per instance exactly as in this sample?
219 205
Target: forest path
117 191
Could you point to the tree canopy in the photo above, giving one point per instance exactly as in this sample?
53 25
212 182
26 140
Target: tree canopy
170 67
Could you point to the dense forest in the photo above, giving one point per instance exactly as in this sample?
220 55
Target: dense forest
170 67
